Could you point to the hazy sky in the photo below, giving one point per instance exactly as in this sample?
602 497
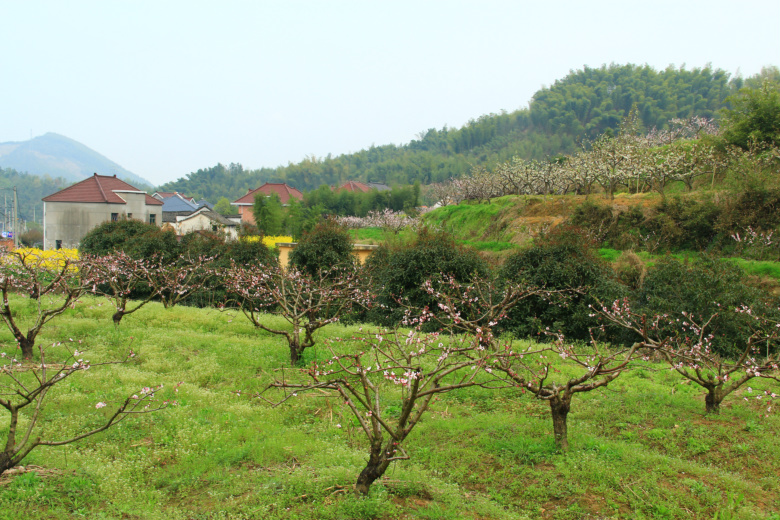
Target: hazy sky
167 87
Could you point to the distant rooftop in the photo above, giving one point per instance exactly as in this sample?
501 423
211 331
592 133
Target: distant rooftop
284 191
99 188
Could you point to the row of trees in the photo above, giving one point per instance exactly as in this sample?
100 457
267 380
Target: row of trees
449 335
681 150
684 153
583 105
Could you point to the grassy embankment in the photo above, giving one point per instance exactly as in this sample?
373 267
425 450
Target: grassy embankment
641 448
510 222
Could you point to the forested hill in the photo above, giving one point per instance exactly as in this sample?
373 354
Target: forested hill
585 103
59 156
30 189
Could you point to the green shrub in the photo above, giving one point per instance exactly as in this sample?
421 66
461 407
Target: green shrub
563 260
703 288
224 252
694 219
630 270
754 211
137 239
326 246
400 270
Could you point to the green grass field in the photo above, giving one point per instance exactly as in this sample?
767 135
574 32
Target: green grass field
751 267
641 448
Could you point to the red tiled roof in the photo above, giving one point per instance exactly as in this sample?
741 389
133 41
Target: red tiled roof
98 188
151 201
283 190
354 186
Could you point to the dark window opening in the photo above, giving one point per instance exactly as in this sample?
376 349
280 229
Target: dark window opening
129 216
58 244
114 217
152 218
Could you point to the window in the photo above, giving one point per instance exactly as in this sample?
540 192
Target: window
58 244
152 218
129 216
114 217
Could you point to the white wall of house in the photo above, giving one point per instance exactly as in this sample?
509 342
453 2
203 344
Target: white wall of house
68 222
200 222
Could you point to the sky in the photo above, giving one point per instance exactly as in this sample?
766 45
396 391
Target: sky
165 88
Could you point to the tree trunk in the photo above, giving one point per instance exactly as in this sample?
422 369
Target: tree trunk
712 401
117 317
5 463
295 353
27 347
375 468
559 407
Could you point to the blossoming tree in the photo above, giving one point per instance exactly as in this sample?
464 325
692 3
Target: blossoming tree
54 285
26 385
390 383
685 342
478 308
118 276
306 302
175 281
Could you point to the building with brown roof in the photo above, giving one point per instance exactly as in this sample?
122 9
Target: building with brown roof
365 187
71 213
244 204
354 186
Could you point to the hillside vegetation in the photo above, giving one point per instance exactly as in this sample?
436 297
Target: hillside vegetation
584 104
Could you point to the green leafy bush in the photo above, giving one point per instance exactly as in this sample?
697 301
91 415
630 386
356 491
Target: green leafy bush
324 247
137 239
562 260
703 288
224 253
399 271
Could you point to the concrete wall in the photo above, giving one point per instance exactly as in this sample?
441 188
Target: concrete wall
203 223
361 251
70 221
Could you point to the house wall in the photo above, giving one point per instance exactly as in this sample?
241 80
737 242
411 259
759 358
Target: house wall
247 217
203 223
70 221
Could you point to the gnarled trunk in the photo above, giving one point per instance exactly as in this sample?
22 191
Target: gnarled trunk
27 346
559 408
375 468
712 400
5 463
117 317
295 352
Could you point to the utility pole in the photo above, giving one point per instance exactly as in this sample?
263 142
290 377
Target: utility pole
16 220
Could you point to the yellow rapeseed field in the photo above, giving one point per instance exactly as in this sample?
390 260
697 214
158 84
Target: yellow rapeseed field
52 259
269 241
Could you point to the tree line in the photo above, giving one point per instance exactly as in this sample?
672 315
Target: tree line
583 105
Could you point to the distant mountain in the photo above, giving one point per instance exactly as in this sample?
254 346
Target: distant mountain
59 156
